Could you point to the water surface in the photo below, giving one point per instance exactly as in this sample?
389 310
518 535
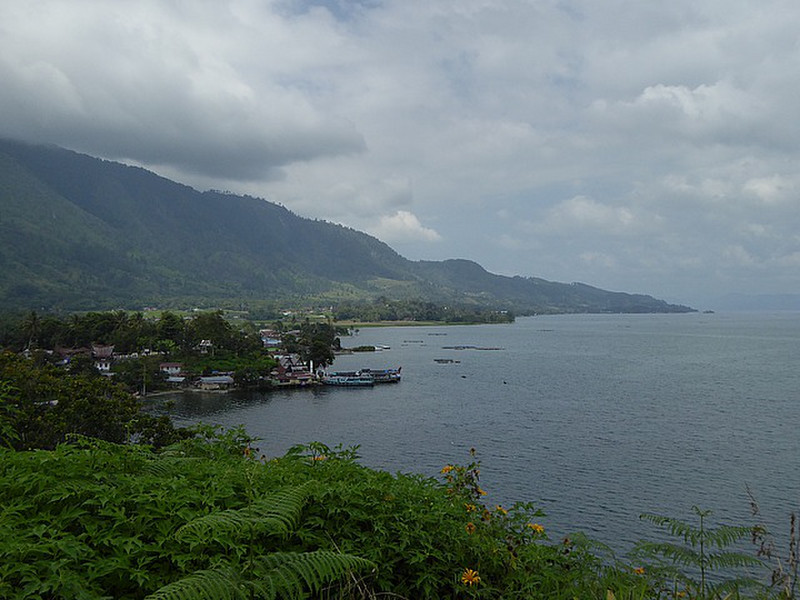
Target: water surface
596 418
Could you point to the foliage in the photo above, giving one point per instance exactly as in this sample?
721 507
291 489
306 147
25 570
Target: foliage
93 520
704 550
385 309
785 567
168 336
208 517
40 405
314 342
277 574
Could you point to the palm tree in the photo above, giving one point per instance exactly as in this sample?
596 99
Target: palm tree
31 328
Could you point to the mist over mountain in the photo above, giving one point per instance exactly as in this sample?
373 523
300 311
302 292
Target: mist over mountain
77 232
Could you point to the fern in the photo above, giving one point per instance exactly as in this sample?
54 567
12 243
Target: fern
291 574
222 583
695 552
278 514
277 575
271 576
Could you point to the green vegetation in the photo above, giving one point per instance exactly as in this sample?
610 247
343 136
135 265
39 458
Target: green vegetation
42 405
140 509
208 518
98 520
202 343
704 550
384 309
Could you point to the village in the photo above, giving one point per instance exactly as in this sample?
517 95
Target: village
200 352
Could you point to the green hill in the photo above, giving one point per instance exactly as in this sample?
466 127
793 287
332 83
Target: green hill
77 232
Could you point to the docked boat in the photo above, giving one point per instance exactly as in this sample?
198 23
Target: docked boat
384 375
348 379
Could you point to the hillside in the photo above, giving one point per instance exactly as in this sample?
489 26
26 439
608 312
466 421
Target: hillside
77 232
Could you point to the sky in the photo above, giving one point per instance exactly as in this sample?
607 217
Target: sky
639 146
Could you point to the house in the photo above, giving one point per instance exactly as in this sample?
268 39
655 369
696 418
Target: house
291 371
271 338
103 365
215 382
101 351
103 358
171 369
66 354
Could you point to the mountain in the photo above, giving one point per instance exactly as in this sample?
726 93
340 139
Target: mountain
77 232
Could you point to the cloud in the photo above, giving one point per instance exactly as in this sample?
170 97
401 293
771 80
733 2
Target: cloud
637 146
148 84
403 226
581 212
771 189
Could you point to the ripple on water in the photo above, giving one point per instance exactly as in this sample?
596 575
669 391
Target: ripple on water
595 418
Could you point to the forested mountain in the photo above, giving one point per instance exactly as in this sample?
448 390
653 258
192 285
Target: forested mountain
78 232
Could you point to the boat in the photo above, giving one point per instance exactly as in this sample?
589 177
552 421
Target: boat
348 379
384 375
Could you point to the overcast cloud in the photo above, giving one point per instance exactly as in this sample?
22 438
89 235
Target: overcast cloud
640 146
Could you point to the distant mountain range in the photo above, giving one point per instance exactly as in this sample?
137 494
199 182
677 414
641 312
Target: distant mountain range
77 232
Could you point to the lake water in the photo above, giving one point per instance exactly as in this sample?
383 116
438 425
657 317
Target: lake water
595 418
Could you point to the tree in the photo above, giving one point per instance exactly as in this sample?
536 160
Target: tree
42 404
320 353
171 327
211 326
139 374
30 328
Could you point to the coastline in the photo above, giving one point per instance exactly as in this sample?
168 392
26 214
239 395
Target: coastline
366 324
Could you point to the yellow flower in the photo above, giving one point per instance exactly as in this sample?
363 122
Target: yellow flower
481 492
486 516
470 507
319 457
536 527
639 570
681 594
501 510
470 577
470 527
446 469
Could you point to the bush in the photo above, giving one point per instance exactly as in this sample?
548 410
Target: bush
96 520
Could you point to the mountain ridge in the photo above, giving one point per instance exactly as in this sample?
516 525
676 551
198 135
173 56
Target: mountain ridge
78 232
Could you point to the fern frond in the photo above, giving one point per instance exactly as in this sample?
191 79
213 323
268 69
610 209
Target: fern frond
275 515
676 527
731 586
726 535
682 555
221 583
292 574
726 560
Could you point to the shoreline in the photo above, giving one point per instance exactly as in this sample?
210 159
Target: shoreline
366 324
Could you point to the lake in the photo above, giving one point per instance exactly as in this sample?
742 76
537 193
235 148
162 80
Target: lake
595 418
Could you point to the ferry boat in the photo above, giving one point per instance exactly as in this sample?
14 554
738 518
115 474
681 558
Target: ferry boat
384 375
348 379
